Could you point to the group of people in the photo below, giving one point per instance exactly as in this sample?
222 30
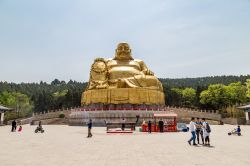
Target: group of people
160 124
199 128
14 126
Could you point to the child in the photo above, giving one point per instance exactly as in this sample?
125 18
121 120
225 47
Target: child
20 128
238 130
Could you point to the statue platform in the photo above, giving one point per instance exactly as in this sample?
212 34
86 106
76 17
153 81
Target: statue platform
101 118
123 96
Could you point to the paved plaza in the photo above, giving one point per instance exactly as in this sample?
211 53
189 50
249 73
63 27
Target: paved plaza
68 146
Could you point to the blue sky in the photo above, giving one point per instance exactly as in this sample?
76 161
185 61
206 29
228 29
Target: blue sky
44 40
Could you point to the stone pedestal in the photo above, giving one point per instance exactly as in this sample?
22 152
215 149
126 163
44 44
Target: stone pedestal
80 118
123 96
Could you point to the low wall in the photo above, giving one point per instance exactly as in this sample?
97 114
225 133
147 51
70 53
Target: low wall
78 116
51 115
48 121
21 121
234 121
100 117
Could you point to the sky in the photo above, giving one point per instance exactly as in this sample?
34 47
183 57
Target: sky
43 40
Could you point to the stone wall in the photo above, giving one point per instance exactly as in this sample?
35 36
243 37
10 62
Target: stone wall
21 121
234 121
185 114
77 116
50 121
100 117
52 114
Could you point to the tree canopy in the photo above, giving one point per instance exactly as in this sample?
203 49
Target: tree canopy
202 93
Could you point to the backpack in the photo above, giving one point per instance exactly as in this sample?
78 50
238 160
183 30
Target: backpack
208 129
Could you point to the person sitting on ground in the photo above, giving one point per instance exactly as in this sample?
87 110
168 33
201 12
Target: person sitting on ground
238 130
39 127
20 128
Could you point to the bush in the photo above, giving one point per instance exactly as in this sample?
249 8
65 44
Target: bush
61 116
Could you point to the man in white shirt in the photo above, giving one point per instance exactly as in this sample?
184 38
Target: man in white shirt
192 130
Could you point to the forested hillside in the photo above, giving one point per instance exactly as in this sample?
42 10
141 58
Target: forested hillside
203 81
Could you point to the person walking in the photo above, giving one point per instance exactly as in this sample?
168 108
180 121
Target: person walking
13 126
123 124
192 130
206 131
199 131
149 126
89 128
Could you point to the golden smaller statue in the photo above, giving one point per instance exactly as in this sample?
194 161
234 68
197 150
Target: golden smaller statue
122 80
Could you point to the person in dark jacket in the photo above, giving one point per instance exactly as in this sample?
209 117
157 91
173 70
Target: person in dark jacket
198 130
161 125
13 124
149 126
89 128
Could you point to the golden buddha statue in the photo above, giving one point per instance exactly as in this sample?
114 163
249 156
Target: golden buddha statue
122 80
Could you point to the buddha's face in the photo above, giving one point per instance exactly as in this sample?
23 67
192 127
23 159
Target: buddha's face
123 52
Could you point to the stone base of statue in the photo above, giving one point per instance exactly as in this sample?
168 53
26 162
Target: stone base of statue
102 114
123 96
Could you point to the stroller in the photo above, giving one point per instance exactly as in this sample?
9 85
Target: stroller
234 132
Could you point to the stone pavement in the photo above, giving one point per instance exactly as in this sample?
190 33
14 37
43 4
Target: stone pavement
68 146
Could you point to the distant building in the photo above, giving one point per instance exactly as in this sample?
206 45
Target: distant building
2 111
246 109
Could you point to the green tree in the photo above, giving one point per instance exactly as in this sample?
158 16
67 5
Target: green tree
236 93
19 102
176 95
215 96
188 97
248 87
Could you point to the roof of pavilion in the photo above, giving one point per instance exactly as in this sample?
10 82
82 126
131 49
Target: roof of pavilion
2 108
244 107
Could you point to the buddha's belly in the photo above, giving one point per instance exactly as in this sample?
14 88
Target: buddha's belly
122 72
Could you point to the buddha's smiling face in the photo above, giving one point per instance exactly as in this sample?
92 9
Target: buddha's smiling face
123 52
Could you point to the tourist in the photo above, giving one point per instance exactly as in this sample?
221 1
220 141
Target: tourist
192 130
89 128
161 125
238 130
199 131
13 124
149 126
20 128
39 127
206 131
123 124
